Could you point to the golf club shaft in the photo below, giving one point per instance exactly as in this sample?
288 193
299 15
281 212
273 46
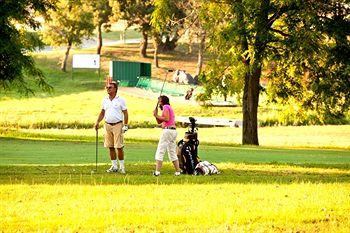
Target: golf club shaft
161 91
96 147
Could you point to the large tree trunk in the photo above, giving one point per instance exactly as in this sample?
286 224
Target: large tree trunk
250 107
201 53
64 62
99 38
252 78
144 44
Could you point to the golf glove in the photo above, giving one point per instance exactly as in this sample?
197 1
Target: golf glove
125 128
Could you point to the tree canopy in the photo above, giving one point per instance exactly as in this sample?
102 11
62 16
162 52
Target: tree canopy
300 42
70 24
317 73
17 67
102 12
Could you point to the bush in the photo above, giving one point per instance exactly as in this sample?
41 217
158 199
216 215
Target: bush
296 116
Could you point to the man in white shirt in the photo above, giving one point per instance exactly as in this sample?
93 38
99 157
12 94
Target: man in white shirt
115 114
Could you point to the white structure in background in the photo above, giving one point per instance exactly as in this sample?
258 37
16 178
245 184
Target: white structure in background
86 61
212 121
89 61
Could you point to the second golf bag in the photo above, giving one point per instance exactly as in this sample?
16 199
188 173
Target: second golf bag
187 149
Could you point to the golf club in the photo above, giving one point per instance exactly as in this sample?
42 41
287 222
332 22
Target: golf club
96 148
161 91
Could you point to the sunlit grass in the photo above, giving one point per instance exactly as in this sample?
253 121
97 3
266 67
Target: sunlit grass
330 136
81 110
176 208
140 173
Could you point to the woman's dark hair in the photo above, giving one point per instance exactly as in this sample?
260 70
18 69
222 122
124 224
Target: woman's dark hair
165 99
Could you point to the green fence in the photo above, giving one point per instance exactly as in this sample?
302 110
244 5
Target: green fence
128 73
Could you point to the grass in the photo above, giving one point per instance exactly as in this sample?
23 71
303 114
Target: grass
48 161
331 136
17 151
48 186
80 110
239 208
115 35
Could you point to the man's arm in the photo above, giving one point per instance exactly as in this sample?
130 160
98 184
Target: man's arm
126 120
99 119
126 117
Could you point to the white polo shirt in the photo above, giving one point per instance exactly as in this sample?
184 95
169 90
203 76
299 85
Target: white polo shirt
113 109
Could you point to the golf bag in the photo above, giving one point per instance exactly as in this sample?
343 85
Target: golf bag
187 149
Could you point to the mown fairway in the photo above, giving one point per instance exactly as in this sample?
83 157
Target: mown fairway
26 161
48 186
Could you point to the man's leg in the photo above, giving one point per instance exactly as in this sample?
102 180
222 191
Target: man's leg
110 145
112 153
121 159
120 153
113 157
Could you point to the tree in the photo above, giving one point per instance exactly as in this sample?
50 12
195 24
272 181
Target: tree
167 21
249 34
17 67
138 12
70 24
170 19
102 11
195 15
323 80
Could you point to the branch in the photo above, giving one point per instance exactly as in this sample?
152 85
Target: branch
280 12
273 18
280 32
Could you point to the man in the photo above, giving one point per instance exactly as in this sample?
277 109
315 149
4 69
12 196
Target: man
114 113
167 141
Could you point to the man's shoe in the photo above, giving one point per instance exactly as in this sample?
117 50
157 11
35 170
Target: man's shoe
155 173
177 173
122 170
112 169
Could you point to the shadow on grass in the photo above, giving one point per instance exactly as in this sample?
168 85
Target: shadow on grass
141 173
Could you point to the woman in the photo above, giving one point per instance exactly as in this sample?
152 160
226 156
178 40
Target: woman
167 141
